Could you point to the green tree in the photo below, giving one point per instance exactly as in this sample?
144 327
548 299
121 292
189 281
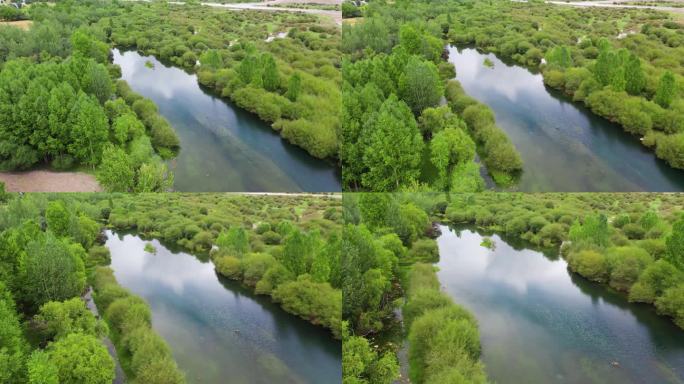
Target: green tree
54 272
125 127
419 85
85 45
81 359
89 131
58 218
270 75
211 59
56 320
13 346
154 177
234 241
115 173
41 370
362 364
634 75
394 148
449 148
294 87
675 245
666 90
96 82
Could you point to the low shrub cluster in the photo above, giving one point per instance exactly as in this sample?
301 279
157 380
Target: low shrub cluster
141 350
444 342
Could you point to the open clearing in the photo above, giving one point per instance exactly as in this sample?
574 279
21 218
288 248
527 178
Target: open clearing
49 181
22 24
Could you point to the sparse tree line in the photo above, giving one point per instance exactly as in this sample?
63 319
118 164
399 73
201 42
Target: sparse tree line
61 108
397 134
49 253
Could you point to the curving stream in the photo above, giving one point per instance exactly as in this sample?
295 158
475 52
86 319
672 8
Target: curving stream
541 324
223 148
218 330
564 146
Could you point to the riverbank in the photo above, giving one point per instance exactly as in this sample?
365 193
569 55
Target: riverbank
216 327
49 181
540 321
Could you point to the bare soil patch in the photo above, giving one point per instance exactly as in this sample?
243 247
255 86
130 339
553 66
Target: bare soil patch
49 181
21 24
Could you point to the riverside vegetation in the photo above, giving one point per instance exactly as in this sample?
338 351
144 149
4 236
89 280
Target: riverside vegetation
285 247
49 255
62 107
51 251
631 243
397 132
386 246
290 81
624 64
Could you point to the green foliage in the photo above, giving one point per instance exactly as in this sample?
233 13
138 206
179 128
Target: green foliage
116 172
54 270
362 364
13 347
675 245
317 302
56 320
594 231
450 148
234 241
419 85
442 336
666 90
58 218
81 358
394 148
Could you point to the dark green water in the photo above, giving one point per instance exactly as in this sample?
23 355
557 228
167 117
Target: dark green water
564 146
223 148
540 324
220 332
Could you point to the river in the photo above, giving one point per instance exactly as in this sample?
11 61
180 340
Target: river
223 148
541 324
564 146
218 330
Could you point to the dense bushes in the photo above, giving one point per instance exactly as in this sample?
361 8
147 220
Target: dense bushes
444 342
43 269
319 303
148 357
498 153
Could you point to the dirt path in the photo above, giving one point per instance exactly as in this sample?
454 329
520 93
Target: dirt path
49 181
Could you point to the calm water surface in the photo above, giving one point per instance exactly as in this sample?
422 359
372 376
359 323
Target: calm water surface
223 148
563 145
540 324
218 331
